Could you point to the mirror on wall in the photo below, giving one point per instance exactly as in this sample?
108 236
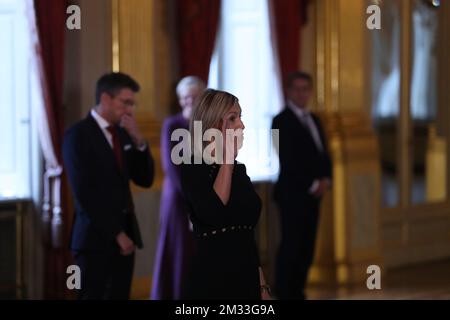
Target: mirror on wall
386 98
428 147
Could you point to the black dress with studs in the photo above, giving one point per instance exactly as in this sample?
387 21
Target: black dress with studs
226 262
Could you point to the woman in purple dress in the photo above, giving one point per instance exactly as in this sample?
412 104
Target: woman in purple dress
176 240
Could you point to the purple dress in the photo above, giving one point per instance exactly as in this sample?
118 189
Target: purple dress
176 240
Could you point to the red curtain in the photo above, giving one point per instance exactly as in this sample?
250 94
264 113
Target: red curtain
50 18
51 23
289 16
197 22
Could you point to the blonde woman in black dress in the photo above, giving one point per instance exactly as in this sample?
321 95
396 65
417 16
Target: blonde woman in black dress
224 208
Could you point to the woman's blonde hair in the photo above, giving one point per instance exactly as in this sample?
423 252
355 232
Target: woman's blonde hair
210 109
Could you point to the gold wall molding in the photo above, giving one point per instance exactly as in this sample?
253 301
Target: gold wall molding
115 16
133 49
436 167
327 55
349 231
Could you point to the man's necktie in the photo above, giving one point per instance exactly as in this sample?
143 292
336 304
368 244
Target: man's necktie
116 145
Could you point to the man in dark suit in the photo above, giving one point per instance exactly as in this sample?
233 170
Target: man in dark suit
102 153
305 174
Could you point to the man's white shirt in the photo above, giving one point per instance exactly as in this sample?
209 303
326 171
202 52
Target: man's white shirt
305 118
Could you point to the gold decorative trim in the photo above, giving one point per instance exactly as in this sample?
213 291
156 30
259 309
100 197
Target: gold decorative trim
320 54
115 36
334 55
327 54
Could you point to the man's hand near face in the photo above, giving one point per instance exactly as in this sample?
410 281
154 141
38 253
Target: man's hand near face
128 122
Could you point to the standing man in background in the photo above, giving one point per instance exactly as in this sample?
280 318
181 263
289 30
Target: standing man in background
102 153
305 175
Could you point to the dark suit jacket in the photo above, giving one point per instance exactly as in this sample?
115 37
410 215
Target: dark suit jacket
300 160
101 191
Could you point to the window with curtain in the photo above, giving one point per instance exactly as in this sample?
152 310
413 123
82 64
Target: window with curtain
244 64
18 141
